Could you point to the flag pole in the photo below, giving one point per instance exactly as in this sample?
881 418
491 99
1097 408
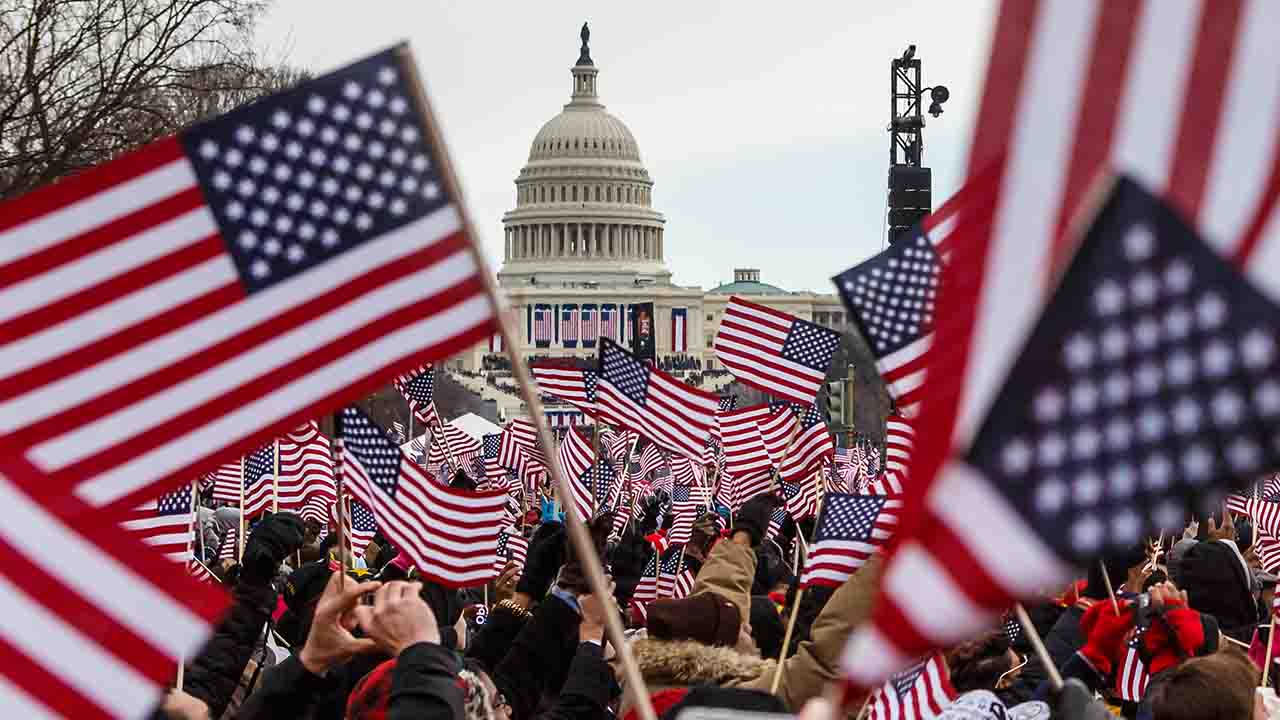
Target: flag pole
195 528
338 453
595 458
275 476
1106 579
795 603
444 438
1037 644
240 536
578 534
1271 639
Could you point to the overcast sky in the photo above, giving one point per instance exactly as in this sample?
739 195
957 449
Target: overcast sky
763 126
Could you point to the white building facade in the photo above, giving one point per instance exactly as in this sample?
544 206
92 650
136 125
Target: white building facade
584 244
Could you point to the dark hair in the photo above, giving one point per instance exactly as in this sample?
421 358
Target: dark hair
978 664
1214 687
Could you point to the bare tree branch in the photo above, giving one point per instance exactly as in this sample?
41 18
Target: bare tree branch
84 80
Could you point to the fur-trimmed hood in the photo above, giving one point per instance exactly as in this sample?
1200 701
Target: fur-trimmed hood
678 663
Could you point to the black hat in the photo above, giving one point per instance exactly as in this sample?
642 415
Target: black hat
306 584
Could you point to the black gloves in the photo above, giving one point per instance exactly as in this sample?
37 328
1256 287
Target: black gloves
546 555
572 576
753 518
272 540
1075 702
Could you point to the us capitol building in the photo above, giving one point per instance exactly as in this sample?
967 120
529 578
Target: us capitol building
585 242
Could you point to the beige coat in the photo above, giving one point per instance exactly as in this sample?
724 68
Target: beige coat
729 570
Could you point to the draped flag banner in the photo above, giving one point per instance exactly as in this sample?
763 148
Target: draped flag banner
679 330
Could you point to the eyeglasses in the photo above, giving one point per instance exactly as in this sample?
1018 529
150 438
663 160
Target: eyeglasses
1014 669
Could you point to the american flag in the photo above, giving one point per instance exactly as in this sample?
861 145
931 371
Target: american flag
812 448
543 325
1133 678
230 547
361 526
687 505
663 479
1076 458
892 299
397 432
920 692
165 524
519 438
225 480
512 547
259 480
777 519
728 402
573 385
575 453
746 457
899 439
651 458
1264 513
201 572
418 388
491 445
687 471
620 444
779 430
1268 550
675 581
215 288
850 529
1012 628
451 444
569 326
450 535
307 484
602 478
590 326
647 589
800 499
775 352
634 395
97 629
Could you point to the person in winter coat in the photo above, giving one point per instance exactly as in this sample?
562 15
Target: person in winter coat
422 682
214 675
701 652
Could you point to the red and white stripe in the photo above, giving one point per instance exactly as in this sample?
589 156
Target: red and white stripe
576 458
675 415
569 325
778 431
1133 678
831 562
1181 95
226 480
749 344
679 330
453 445
450 535
927 698
565 382
98 626
117 293
169 535
904 371
543 324
1265 514
899 439
307 484
812 448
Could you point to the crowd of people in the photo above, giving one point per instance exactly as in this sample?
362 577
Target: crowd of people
307 640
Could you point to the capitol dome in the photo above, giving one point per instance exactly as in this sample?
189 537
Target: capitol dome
584 211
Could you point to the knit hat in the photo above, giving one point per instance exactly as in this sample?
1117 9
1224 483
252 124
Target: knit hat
766 626
707 618
1214 577
306 584
370 697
